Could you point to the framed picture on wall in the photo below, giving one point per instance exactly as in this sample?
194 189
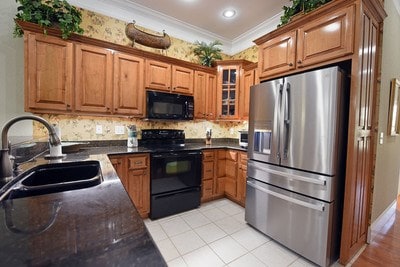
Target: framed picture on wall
394 108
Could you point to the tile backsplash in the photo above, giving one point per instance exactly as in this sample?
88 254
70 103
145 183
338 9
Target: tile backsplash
83 128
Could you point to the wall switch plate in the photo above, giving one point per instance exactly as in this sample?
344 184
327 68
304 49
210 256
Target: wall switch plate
99 129
119 129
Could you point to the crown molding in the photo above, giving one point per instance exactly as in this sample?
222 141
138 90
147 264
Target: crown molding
156 21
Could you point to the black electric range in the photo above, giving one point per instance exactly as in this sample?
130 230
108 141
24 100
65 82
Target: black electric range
175 176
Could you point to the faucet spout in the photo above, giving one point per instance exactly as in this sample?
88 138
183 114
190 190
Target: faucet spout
6 167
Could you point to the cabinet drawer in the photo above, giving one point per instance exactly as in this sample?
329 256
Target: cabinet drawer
231 155
208 155
208 170
138 162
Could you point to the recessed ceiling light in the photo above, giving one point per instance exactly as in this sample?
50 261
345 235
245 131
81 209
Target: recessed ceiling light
229 13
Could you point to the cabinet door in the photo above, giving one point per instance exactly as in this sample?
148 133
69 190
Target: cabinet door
158 75
277 55
231 166
182 80
139 190
244 101
327 38
118 163
211 97
93 79
49 63
128 85
228 88
200 93
242 176
138 180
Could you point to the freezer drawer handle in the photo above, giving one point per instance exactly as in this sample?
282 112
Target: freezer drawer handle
293 176
318 207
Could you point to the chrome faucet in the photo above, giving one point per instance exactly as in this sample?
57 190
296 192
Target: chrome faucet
6 171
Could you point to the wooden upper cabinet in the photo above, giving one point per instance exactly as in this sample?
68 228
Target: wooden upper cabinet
128 85
170 78
228 91
48 75
250 78
182 80
327 38
200 90
204 95
277 55
93 79
158 75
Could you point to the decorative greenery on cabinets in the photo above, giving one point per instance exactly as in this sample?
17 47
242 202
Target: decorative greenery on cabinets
207 53
300 6
49 13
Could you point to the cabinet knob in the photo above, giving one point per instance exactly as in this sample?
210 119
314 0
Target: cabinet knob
299 61
290 64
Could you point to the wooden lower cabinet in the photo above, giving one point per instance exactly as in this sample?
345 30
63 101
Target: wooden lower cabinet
241 178
134 172
224 174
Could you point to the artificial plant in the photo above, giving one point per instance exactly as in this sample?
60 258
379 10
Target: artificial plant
49 13
207 53
299 6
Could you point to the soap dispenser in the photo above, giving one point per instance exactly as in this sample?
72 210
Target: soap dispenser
132 136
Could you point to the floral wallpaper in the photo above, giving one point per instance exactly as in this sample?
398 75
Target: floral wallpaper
78 128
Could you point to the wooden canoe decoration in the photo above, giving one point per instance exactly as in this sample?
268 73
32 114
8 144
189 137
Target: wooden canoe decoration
147 39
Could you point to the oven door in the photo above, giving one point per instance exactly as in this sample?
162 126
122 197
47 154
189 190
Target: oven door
175 182
175 171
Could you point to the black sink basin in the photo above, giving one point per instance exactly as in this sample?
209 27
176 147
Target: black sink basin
58 177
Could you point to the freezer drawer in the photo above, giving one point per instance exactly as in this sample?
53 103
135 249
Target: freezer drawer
315 185
302 224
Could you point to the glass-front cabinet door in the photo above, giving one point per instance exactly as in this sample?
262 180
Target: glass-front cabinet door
228 92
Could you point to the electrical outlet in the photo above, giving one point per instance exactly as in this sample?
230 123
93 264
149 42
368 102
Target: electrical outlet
119 129
232 131
99 129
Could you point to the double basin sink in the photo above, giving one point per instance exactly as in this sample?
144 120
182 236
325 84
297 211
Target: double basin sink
56 177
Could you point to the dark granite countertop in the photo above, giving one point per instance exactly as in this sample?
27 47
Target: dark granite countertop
95 226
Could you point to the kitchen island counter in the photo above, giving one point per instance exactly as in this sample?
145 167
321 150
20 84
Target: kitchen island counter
95 226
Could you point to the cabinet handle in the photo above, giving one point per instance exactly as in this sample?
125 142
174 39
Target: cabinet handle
299 61
290 64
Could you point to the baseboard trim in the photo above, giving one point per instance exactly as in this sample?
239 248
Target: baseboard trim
374 228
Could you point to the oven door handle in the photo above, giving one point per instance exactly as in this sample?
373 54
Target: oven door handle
318 207
174 154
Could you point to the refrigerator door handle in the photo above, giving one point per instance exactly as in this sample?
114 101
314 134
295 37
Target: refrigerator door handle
317 207
286 121
277 112
292 176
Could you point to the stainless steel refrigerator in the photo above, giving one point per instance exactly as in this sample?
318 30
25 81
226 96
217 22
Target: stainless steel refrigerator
296 166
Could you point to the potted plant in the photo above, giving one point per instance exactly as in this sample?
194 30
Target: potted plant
207 53
298 6
49 13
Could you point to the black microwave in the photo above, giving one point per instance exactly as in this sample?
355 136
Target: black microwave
167 106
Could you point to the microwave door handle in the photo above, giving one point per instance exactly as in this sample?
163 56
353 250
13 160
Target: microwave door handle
286 121
318 207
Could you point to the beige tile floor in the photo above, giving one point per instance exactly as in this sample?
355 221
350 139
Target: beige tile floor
216 234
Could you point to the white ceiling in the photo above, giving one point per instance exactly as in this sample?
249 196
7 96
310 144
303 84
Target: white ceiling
192 20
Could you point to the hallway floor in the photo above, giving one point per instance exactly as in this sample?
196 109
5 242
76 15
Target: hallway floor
384 249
